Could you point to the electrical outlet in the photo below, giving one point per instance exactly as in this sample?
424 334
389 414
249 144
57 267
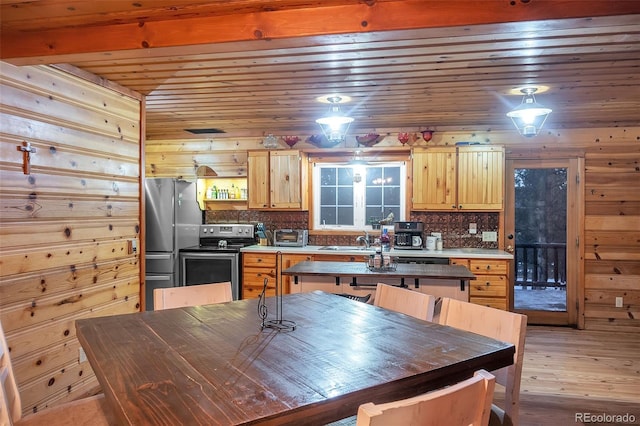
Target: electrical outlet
82 357
490 236
473 228
619 302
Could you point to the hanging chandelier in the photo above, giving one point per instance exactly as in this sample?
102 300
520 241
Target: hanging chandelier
335 125
529 116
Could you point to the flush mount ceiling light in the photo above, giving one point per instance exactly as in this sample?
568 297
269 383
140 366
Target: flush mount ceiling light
335 124
529 116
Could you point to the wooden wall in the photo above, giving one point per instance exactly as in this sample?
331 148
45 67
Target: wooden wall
612 238
66 226
611 231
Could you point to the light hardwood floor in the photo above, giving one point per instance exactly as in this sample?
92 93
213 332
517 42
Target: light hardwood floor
568 371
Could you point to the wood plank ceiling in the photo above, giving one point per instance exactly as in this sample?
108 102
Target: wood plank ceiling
251 67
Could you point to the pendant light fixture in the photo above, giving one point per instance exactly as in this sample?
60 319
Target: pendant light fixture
335 124
529 116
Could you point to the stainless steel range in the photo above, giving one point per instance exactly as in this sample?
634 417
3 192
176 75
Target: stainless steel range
217 257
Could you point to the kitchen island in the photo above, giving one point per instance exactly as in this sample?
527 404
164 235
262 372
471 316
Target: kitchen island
355 270
357 279
491 267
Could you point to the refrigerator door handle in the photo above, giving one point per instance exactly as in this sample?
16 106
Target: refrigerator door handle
158 277
166 256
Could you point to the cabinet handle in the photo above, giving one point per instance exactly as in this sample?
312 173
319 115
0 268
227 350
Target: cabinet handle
487 283
453 206
460 206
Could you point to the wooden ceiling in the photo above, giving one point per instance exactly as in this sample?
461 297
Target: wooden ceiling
251 67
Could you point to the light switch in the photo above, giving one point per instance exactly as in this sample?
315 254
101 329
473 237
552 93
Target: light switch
473 228
489 236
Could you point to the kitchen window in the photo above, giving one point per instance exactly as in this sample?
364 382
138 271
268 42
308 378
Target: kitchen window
357 196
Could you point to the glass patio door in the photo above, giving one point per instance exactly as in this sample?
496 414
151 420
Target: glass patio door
541 224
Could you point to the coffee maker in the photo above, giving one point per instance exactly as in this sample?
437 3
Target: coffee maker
408 235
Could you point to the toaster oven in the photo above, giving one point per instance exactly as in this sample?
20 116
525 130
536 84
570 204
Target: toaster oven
291 237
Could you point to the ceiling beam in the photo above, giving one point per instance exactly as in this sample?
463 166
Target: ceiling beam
106 40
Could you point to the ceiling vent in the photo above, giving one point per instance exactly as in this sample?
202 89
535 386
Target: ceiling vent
204 131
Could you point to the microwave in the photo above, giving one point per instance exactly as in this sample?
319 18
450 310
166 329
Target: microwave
291 237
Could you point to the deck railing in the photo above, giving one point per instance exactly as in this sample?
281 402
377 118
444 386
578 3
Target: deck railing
541 265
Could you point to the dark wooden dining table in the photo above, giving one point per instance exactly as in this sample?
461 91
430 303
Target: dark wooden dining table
216 365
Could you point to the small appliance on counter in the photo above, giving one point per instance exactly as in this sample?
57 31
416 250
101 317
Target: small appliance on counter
408 235
290 237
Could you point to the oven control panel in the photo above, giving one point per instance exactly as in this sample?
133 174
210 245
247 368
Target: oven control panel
227 230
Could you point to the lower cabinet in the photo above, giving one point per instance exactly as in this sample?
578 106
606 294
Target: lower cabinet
255 268
491 288
288 260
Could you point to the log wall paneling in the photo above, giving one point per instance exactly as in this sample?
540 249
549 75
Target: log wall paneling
612 240
66 227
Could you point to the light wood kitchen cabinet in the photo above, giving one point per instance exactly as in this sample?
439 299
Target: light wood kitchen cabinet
458 178
288 260
491 288
255 268
277 179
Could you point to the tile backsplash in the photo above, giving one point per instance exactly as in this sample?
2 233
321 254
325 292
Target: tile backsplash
454 226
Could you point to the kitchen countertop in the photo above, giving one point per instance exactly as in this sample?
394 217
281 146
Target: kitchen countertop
469 253
357 269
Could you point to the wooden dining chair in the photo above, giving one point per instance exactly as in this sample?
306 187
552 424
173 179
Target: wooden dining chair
82 412
463 404
404 300
193 295
501 325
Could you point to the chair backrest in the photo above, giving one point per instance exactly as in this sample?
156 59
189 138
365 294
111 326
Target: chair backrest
193 295
463 404
10 404
404 300
501 325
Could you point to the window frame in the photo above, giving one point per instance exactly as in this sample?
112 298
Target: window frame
359 205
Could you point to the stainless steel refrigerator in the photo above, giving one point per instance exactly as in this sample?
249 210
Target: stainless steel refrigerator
172 221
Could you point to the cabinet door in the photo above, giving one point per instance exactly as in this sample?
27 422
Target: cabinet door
253 281
288 282
255 268
285 180
480 178
434 179
258 179
492 285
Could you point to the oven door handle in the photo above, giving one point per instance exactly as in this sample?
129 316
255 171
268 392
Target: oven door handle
193 254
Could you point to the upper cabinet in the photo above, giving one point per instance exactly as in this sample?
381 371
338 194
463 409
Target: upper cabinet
458 178
277 179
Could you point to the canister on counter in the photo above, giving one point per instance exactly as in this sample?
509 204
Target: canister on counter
431 243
